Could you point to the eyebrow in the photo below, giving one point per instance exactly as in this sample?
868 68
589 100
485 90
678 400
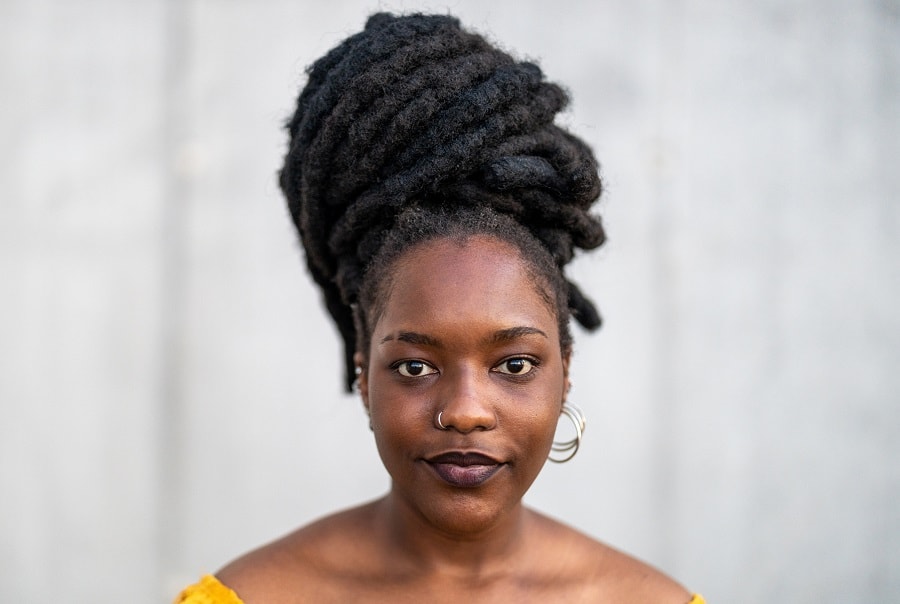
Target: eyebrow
513 333
498 337
412 337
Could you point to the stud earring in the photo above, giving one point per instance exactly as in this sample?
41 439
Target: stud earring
356 372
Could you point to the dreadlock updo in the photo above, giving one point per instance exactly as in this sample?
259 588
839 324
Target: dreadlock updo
415 112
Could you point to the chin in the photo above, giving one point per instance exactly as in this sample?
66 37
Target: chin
467 512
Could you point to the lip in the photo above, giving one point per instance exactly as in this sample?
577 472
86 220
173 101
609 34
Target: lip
464 470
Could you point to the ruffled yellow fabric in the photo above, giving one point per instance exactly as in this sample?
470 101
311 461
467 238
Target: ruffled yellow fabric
210 591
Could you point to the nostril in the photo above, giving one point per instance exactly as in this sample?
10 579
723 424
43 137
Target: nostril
440 424
465 418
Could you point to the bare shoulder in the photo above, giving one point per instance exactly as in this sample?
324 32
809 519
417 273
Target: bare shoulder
605 573
294 568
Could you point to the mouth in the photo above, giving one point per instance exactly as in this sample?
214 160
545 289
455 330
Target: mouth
465 470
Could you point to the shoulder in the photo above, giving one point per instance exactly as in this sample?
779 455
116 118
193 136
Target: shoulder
604 573
297 567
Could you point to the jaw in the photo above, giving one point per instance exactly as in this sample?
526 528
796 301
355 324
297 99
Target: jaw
427 504
460 516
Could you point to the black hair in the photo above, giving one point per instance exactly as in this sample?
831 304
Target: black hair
416 111
422 223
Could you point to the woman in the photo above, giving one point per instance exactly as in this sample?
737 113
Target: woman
438 204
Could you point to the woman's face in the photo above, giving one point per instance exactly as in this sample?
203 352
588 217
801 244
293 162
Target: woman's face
464 333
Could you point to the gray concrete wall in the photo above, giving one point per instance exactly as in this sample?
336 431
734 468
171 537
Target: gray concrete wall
169 386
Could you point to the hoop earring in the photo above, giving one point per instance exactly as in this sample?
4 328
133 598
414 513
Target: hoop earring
577 418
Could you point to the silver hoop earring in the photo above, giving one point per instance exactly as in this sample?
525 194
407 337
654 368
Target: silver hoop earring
439 424
569 447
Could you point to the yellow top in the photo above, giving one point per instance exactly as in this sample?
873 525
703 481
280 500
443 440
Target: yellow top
210 591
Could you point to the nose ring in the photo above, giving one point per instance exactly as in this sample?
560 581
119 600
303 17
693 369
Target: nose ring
440 425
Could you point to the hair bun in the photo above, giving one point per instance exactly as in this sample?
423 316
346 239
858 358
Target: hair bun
416 107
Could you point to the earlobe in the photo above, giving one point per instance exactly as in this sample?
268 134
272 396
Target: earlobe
362 378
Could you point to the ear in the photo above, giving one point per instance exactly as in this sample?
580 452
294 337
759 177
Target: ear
362 379
567 384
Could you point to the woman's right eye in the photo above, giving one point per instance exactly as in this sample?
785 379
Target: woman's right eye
414 368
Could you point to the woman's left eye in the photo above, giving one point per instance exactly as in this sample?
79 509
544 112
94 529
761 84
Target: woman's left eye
516 366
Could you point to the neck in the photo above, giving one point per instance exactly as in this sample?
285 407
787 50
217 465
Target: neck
429 546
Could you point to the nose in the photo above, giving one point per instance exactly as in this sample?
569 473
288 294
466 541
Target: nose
466 403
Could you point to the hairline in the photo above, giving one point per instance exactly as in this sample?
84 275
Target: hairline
384 290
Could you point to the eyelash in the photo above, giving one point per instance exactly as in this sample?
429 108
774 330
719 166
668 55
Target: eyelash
399 364
535 363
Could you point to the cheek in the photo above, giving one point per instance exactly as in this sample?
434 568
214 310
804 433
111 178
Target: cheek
546 425
390 439
534 421
398 424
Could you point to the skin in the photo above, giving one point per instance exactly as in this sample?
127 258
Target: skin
466 333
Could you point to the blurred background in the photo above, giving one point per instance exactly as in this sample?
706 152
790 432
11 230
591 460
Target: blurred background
170 389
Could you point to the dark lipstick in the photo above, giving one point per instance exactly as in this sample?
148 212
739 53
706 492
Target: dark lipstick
466 470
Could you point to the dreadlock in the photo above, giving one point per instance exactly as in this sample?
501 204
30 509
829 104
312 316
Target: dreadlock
414 111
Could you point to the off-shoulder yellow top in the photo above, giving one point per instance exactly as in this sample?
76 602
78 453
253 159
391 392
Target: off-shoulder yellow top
210 591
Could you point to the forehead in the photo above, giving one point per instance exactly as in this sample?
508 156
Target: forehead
476 279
